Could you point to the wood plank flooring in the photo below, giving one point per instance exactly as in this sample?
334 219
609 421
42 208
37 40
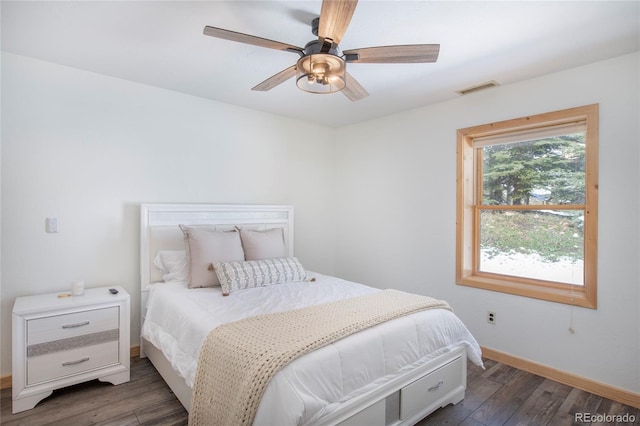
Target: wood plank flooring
505 396
499 395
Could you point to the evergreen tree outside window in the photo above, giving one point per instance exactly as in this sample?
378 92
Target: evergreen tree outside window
527 206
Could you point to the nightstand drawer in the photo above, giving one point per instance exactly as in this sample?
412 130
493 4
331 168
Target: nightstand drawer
65 326
64 363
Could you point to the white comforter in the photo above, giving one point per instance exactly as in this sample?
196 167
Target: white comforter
178 319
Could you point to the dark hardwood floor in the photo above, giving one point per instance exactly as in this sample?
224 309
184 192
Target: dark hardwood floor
145 400
499 395
503 395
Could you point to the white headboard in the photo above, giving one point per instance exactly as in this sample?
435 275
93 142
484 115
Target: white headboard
159 231
159 227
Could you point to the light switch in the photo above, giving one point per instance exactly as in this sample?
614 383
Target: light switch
52 224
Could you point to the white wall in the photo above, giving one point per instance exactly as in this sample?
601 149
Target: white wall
88 149
397 193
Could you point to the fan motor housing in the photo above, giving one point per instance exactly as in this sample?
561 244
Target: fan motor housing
314 46
314 26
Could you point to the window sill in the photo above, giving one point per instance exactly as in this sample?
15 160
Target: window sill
537 289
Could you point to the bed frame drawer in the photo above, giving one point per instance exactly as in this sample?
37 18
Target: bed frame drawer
374 415
432 389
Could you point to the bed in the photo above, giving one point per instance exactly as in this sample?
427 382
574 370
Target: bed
393 373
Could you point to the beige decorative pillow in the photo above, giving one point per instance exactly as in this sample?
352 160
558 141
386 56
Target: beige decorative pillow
267 244
258 273
204 245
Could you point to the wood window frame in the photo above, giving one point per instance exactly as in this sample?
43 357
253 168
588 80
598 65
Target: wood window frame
467 224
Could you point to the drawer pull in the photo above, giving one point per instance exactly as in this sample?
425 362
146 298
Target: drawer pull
436 387
80 361
78 324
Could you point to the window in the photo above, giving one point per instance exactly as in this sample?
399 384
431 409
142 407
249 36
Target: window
527 206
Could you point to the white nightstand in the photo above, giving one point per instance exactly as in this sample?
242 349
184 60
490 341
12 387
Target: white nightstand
61 341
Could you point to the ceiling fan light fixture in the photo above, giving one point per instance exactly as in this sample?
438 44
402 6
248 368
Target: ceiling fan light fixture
321 73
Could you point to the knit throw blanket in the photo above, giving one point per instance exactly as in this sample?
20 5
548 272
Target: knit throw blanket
238 359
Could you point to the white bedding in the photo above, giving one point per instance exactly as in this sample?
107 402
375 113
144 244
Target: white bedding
178 319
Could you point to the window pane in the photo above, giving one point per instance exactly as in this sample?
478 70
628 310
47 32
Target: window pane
548 171
539 244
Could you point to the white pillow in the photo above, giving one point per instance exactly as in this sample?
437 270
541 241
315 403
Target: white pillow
172 264
267 244
258 273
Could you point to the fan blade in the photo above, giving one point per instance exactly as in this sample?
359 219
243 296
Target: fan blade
276 79
335 16
353 90
402 54
249 39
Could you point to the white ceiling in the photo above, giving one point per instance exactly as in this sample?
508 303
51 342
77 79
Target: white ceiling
160 43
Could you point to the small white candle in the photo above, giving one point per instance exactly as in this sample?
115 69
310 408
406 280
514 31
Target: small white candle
77 288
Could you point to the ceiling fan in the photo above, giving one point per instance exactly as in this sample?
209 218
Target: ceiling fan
322 67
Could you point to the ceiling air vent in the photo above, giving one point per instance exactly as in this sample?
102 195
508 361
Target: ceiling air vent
477 87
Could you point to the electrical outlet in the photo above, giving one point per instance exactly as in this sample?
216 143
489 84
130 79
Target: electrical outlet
491 317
